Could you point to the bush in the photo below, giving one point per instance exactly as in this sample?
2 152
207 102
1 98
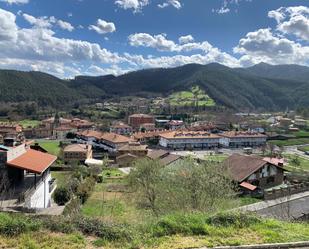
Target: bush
191 224
58 224
72 208
95 227
84 189
13 224
233 219
62 195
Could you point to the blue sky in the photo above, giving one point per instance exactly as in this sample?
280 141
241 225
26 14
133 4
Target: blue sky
96 37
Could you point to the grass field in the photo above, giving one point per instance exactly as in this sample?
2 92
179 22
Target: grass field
61 177
190 98
171 231
51 146
303 148
29 123
290 142
303 163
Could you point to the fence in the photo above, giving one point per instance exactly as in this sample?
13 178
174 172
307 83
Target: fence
285 191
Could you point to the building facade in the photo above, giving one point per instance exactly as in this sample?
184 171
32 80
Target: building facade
189 140
136 120
77 153
236 139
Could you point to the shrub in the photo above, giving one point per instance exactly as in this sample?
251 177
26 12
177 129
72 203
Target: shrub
104 230
58 224
62 195
72 208
12 224
191 224
233 219
99 178
84 189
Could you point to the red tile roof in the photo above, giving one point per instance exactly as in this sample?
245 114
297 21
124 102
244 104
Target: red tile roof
248 186
33 161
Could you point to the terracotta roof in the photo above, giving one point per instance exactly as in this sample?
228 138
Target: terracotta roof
33 161
133 147
248 186
156 154
77 148
273 160
115 138
231 134
241 166
91 133
170 158
140 116
188 134
149 134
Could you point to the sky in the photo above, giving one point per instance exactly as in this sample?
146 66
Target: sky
97 37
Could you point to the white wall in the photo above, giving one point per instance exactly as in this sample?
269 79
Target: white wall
41 197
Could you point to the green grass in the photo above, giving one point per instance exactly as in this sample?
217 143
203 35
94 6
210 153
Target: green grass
303 148
112 172
29 123
51 146
190 98
290 142
216 158
61 177
248 200
303 163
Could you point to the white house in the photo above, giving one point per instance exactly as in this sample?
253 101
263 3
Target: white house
235 139
28 173
186 140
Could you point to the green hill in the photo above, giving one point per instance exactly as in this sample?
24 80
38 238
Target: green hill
259 87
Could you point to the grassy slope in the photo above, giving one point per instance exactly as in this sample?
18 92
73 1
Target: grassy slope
51 146
266 231
184 98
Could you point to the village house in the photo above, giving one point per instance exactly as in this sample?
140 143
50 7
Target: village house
112 141
11 131
175 125
236 139
164 157
130 152
136 120
58 128
302 123
253 173
77 153
25 175
121 129
189 140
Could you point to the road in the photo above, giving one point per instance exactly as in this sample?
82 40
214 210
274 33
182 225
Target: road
289 210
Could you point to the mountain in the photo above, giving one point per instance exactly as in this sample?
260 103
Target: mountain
229 87
261 86
287 72
45 89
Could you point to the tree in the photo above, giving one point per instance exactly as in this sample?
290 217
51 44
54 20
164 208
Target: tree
62 195
146 179
198 186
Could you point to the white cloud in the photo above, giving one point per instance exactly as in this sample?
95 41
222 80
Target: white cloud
95 70
8 27
15 1
161 43
65 25
41 22
186 39
174 3
135 5
103 27
47 22
292 20
263 46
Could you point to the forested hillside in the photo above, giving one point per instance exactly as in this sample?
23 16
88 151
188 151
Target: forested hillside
261 86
